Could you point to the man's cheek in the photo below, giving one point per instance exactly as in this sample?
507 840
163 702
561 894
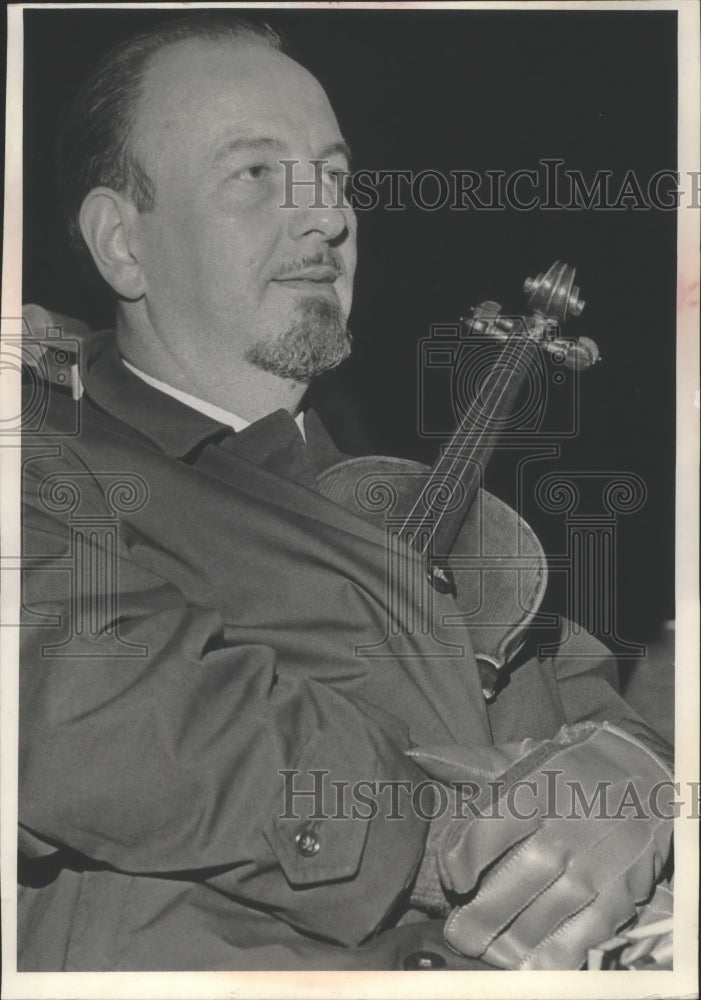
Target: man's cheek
344 290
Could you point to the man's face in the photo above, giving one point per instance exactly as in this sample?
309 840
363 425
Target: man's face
230 274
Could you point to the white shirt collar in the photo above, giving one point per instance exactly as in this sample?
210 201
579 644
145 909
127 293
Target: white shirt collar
202 406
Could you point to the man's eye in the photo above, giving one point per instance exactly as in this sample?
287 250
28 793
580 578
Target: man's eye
252 173
341 179
338 175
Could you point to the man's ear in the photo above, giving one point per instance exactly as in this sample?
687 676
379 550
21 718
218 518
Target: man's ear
108 222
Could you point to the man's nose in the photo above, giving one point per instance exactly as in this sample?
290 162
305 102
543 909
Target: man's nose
315 202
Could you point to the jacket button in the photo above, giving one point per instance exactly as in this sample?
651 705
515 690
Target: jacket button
423 961
308 843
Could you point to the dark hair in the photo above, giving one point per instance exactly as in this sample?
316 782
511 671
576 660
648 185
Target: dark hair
94 143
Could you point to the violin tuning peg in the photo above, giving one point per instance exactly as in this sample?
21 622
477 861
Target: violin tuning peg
575 304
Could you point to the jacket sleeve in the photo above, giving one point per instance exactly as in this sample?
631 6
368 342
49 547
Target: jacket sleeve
153 740
587 679
574 680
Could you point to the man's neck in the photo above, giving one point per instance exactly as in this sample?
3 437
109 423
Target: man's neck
234 420
234 386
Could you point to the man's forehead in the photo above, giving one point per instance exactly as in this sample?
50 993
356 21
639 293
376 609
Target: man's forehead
198 79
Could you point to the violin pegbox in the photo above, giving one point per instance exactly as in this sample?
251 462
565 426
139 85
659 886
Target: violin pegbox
553 298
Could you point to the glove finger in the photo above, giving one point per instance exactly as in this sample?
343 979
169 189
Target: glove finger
624 850
565 946
560 902
504 893
472 846
477 762
589 868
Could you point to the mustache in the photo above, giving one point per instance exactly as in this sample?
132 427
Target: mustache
315 260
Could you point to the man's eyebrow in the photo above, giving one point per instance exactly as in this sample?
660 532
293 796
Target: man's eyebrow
246 143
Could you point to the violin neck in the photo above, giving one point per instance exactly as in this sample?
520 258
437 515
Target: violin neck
459 471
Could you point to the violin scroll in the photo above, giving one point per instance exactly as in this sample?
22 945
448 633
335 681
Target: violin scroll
554 294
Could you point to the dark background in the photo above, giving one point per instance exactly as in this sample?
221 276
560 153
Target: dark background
450 90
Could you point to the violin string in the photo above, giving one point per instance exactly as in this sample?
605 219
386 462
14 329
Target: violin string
510 375
462 427
466 460
483 434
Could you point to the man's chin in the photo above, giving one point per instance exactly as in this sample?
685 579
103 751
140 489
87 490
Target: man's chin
317 342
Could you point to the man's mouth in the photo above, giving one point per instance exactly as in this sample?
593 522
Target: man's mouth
317 274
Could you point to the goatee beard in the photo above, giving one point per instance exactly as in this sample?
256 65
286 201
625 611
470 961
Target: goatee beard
317 343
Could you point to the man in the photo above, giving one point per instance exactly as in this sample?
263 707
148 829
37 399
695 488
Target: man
215 773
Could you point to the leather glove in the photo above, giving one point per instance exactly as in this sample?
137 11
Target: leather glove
552 856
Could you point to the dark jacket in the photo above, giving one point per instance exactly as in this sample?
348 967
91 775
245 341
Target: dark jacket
193 617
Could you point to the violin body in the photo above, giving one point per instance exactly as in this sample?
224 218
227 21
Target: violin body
497 562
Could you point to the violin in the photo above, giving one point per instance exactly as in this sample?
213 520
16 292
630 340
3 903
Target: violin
473 545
